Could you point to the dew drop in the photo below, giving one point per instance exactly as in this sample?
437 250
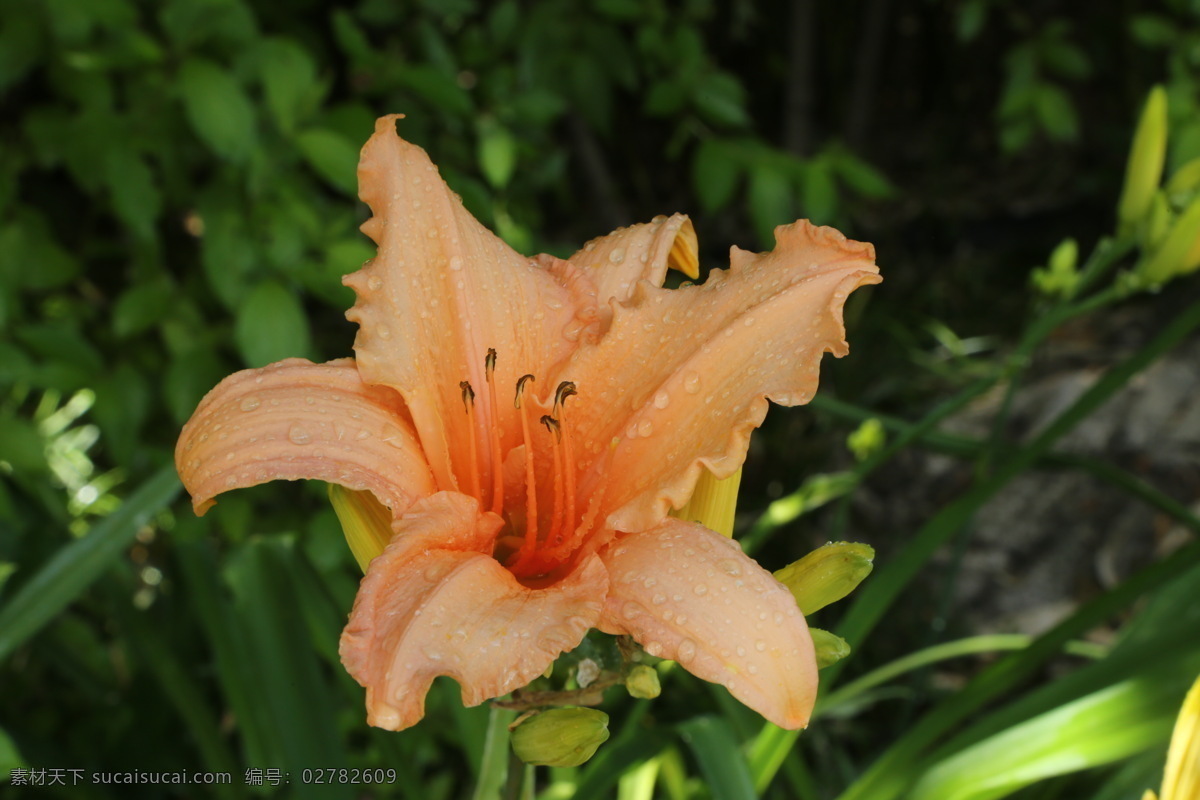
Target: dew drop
760 645
617 256
297 434
631 610
662 399
700 589
645 427
653 648
729 566
375 283
435 572
456 263
250 403
659 599
383 331
686 651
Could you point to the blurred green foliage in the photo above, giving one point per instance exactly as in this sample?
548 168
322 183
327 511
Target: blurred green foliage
177 183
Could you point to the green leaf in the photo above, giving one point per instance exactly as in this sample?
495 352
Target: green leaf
219 110
1097 729
497 152
818 193
332 156
721 761
438 89
720 99
1056 113
10 757
861 176
140 307
289 77
30 258
136 199
271 326
21 446
715 173
771 200
73 568
1152 30
971 17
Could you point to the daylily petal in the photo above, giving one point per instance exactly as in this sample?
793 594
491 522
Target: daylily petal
437 603
297 420
682 376
691 595
617 262
442 290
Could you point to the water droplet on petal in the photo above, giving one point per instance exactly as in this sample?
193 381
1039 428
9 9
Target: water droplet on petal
383 331
435 572
456 263
662 400
298 434
631 610
729 566
686 651
700 589
659 599
375 283
760 645
617 256
250 403
645 427
691 381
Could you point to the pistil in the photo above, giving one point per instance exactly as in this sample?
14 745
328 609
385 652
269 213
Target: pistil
530 545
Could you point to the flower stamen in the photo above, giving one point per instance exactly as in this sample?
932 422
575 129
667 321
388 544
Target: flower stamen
565 390
555 534
497 465
468 398
530 545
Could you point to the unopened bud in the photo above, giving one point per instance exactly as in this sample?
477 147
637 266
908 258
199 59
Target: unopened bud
1060 276
1156 222
642 682
827 574
1180 249
1144 169
867 439
1184 180
366 522
560 737
830 648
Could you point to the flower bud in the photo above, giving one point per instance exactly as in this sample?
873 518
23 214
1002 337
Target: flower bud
1060 277
366 522
1156 222
829 648
827 574
642 682
1180 249
867 439
560 737
1144 170
1185 180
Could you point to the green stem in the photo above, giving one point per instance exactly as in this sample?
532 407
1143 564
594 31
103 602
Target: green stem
494 766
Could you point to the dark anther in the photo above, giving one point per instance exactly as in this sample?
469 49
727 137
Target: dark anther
521 381
552 425
490 361
564 390
468 394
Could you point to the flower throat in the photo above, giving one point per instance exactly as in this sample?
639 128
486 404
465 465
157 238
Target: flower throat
549 536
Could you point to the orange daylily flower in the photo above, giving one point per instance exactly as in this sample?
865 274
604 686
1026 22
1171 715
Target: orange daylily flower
529 423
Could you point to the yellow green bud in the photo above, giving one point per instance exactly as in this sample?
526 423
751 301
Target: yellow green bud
829 648
560 737
867 439
827 574
1180 249
366 522
713 502
1144 170
1060 276
1156 222
642 682
1185 179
